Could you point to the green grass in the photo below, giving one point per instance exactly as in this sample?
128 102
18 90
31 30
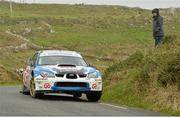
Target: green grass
105 35
147 80
8 77
12 83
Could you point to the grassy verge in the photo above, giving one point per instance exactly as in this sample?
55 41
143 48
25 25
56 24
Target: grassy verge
8 77
147 80
12 83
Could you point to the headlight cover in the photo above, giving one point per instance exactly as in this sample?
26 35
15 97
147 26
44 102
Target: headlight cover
93 75
46 74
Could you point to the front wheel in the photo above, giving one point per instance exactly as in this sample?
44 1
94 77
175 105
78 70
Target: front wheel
78 95
33 92
94 96
25 90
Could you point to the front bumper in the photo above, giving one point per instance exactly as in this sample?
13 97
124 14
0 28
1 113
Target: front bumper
50 85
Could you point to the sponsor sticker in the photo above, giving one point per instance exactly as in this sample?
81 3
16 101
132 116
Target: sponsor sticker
41 79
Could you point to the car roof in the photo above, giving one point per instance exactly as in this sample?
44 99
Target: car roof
59 53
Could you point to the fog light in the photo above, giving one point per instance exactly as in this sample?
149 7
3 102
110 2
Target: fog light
94 86
47 85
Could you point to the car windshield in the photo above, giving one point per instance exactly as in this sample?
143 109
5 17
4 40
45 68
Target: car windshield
61 60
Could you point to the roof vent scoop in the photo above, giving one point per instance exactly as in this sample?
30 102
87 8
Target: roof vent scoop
66 65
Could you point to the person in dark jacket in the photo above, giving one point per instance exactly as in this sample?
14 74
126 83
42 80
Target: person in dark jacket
158 31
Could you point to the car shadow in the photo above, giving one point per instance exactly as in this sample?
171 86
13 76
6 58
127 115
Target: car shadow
60 97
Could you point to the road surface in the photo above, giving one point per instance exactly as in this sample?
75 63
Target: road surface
13 103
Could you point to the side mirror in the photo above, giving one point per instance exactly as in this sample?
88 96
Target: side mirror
29 62
90 65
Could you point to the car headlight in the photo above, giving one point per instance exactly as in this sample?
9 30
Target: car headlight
47 74
93 75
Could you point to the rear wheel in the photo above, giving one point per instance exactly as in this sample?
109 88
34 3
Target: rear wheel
33 92
94 96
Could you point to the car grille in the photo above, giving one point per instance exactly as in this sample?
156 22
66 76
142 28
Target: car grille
71 76
71 84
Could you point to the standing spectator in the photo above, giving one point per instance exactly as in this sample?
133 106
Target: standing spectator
158 31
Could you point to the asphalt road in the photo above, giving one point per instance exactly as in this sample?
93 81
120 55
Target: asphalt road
13 103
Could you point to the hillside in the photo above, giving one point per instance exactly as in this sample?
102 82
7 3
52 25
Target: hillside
117 40
148 79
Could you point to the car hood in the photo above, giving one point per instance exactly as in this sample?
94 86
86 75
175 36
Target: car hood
62 70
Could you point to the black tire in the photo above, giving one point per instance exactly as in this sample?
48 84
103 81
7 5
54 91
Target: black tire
25 90
94 96
78 95
33 92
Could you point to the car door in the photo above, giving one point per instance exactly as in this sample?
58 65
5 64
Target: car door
27 73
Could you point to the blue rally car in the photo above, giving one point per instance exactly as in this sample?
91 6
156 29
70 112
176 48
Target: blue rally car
56 71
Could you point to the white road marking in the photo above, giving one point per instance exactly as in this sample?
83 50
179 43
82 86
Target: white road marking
114 106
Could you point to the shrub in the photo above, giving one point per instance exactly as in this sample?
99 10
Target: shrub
133 61
169 39
171 74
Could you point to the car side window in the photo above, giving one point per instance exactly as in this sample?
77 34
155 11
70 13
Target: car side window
34 58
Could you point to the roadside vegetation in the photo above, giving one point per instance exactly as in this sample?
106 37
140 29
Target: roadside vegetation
148 79
116 39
